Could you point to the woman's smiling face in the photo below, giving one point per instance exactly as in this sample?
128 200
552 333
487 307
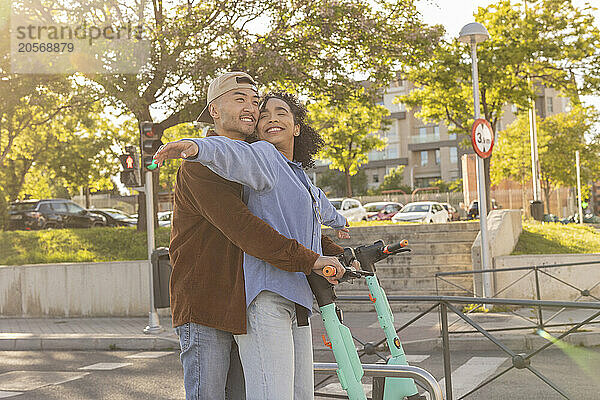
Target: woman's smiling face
276 124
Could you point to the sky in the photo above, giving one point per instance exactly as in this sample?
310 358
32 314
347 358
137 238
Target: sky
454 14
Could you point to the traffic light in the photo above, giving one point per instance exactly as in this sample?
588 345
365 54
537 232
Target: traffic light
130 176
149 143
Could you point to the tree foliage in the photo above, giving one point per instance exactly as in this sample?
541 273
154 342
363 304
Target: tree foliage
311 47
333 182
559 136
454 186
350 132
394 180
553 43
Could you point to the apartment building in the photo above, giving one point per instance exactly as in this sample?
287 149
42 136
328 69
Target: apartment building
428 151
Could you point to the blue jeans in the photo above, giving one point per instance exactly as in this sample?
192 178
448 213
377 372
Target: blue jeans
211 365
276 353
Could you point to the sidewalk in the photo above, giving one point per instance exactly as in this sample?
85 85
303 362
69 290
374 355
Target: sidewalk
423 335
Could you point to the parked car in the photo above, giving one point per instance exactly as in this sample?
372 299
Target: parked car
422 211
164 218
473 210
452 213
115 217
382 210
51 214
350 208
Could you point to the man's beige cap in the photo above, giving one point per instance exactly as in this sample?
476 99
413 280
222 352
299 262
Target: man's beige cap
223 84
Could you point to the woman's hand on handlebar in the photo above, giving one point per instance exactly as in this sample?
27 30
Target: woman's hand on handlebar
324 261
343 233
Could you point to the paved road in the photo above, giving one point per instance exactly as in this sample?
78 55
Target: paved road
59 375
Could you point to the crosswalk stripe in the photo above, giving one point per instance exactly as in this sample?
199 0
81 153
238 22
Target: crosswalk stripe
150 354
4 394
466 377
336 388
104 366
416 358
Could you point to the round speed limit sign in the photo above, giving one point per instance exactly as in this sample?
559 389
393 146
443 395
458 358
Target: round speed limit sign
482 138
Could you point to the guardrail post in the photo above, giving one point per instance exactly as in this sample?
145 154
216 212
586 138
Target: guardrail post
538 297
446 350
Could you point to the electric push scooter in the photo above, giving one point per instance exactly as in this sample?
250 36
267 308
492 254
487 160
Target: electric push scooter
341 342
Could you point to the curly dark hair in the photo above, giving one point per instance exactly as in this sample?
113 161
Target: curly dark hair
309 142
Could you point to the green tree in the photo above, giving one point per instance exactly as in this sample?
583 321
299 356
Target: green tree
559 136
551 43
394 180
312 47
168 172
350 132
454 186
334 183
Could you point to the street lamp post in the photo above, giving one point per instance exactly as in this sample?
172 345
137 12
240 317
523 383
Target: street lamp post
472 34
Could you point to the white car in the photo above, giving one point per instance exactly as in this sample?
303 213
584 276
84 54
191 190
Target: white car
422 211
164 218
350 208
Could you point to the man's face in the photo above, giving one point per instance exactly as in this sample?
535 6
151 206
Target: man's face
236 111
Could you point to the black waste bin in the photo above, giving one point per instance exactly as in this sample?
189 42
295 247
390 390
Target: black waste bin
161 275
536 208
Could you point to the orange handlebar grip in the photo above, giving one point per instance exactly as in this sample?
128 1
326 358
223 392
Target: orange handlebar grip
404 243
329 271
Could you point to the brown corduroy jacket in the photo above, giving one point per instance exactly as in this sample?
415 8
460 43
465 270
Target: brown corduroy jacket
211 228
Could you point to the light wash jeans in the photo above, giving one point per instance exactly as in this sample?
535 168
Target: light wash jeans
211 365
276 354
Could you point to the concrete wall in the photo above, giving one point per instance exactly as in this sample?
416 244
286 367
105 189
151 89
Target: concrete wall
504 227
75 289
583 277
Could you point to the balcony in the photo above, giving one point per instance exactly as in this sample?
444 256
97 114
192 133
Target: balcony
429 138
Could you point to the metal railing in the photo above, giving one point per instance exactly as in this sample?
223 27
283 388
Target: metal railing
536 270
392 371
445 303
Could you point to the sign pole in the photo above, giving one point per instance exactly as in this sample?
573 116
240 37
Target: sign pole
485 264
153 321
578 167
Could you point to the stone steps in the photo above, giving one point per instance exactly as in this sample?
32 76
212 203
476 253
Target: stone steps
404 271
435 248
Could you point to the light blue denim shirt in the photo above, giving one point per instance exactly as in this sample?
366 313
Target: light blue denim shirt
275 193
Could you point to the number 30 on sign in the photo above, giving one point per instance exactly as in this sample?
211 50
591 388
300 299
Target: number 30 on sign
482 138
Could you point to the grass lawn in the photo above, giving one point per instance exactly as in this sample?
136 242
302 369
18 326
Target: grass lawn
117 244
76 245
556 238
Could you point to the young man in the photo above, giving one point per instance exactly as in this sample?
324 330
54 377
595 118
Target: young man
211 229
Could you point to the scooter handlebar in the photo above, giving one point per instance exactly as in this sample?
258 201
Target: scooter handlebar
329 271
396 247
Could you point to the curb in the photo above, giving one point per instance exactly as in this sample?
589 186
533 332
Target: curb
107 342
78 341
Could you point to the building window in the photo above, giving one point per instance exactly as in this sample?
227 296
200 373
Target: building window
436 132
423 158
453 155
423 133
549 105
437 157
376 178
451 135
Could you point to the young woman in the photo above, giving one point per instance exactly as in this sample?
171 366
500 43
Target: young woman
276 352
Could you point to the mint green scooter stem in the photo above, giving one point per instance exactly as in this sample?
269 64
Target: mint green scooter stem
395 388
349 370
